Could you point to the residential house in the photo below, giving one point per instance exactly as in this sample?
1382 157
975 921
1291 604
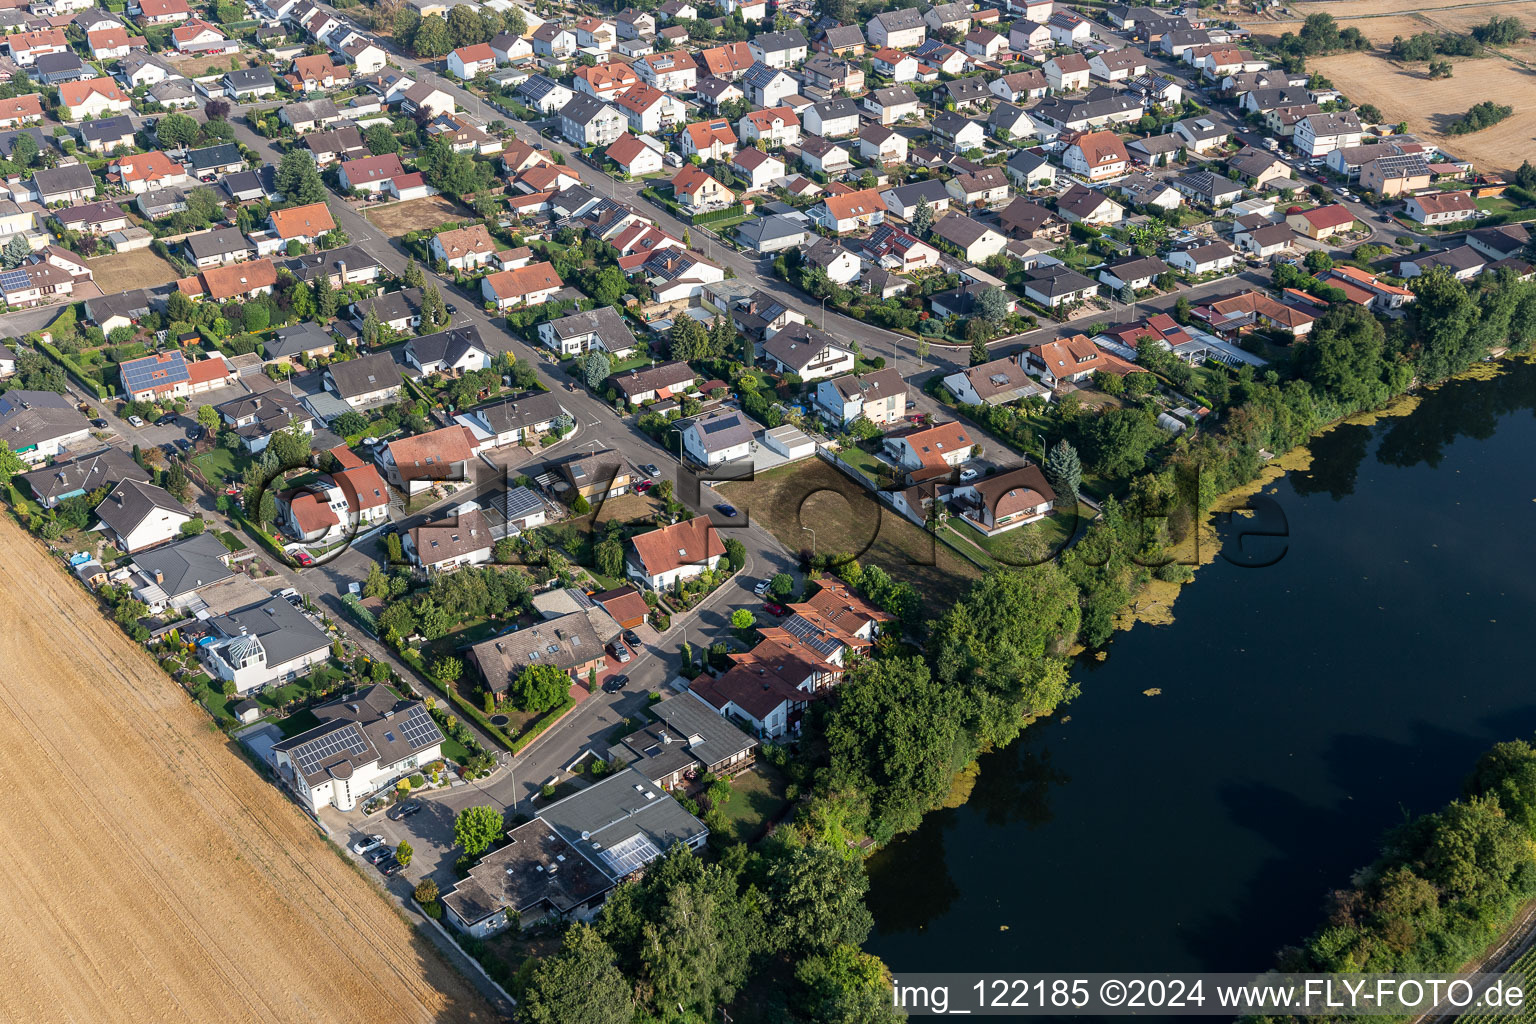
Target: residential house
225 283
709 140
138 515
1208 258
1232 315
903 200
1262 169
80 475
1097 156
463 248
881 145
664 557
834 118
841 41
1088 206
666 380
894 64
1030 171
892 104
925 448
1067 73
673 71
995 382
1320 134
758 168
1135 272
962 133
850 211
1118 65
257 416
1020 86
842 267
598 330
778 126
457 350
363 743
444 545
1395 174
218 247
899 251
1024 219
370 173
833 75
302 224
520 420
364 381
996 504
979 188
824 155
530 285
587 121
973 240
779 49
1202 134
273 642
808 353
900 30
419 462
1214 190
246 84
879 397
718 437
1066 361
1057 285
1265 240
699 192
1322 222
94 97
1440 208
39 425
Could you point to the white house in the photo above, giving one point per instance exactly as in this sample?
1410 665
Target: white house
363 743
139 515
724 435
663 557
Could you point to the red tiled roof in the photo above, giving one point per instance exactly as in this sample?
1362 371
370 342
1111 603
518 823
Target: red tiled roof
691 542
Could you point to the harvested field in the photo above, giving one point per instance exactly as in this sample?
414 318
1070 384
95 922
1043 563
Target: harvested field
847 518
122 271
151 874
1404 92
416 214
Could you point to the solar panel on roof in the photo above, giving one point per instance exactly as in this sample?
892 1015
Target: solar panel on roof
629 854
311 756
14 280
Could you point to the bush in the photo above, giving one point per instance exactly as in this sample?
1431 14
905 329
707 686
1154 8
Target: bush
547 791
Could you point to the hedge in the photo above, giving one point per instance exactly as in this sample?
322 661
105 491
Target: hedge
73 368
536 730
734 210
362 615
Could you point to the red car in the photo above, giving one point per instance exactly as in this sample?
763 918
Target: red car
774 609
643 486
304 558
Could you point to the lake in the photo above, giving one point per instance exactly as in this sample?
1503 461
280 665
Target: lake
1306 707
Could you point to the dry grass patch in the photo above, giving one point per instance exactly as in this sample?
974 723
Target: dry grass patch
1406 93
127 270
418 214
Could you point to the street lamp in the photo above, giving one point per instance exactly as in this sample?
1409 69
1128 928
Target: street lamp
824 299
812 532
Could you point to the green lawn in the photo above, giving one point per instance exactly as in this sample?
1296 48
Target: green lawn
863 461
222 466
1024 545
757 798
296 723
1497 204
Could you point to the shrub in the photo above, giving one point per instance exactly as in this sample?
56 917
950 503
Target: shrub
547 791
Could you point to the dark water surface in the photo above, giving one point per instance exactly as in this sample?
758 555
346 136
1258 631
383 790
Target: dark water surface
1306 707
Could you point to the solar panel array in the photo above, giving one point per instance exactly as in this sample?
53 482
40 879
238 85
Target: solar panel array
14 280
420 731
140 374
628 855
312 756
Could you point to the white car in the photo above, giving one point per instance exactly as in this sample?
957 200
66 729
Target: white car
367 843
135 421
762 587
968 475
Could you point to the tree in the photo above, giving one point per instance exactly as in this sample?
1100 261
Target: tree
266 509
177 130
539 687
24 150
992 305
1344 359
743 621
298 179
817 895
179 307
371 327
216 110
325 298
979 353
15 251
735 554
404 853
10 463
1065 472
414 277
380 139
475 829
208 417
1126 295
176 482
1181 310
448 669
377 584
432 37
580 983
922 218
609 555
596 368
464 27
1318 261
781 585
426 892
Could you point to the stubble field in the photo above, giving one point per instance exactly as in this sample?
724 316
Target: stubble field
1404 91
151 875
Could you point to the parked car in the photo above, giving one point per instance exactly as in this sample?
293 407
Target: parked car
193 433
451 308
726 509
619 651
773 608
762 587
643 486
379 854
167 420
650 470
968 474
169 450
390 867
135 421
406 810
99 424
632 638
367 843
615 684
304 558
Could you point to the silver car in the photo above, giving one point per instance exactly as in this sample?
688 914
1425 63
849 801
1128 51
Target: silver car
367 843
